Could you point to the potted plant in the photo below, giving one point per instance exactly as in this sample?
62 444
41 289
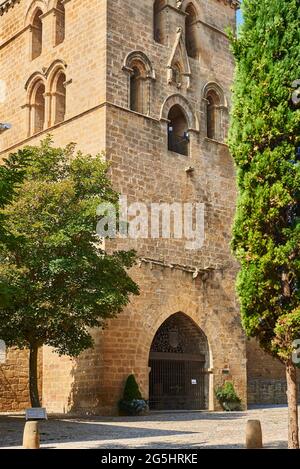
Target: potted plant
227 397
132 402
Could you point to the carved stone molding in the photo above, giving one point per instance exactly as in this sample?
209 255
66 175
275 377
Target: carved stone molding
4 6
179 54
236 4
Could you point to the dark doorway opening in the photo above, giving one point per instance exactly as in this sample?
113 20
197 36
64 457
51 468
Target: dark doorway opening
178 357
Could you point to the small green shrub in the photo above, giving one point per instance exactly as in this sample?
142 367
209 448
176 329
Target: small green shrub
131 390
227 397
132 402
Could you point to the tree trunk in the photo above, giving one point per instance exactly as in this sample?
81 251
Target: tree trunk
291 379
33 376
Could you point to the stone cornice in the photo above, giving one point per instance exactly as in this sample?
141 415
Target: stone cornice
4 6
233 3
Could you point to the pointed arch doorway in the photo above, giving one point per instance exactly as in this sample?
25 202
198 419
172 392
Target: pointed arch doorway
179 358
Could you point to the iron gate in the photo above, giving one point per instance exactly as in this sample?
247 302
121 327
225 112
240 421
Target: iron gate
178 359
176 383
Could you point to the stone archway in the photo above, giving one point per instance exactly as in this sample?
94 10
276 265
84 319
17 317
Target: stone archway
179 359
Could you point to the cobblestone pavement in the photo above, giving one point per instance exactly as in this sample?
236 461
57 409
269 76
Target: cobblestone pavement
184 430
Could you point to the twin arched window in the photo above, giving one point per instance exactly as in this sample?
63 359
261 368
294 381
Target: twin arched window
37 28
216 119
46 107
140 75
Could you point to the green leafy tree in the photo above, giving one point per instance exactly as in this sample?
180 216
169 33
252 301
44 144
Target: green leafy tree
59 281
263 139
11 175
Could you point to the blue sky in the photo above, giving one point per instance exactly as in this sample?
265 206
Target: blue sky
239 17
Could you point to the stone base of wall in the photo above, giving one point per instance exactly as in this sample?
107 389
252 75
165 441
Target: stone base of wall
268 391
14 381
14 394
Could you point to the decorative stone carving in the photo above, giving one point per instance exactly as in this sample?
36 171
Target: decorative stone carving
178 335
178 67
6 5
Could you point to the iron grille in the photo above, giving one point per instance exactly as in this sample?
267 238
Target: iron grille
177 384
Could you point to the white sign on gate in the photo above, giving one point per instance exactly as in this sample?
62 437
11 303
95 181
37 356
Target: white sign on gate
2 352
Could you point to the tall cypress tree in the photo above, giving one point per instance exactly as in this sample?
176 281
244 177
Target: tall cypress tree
263 139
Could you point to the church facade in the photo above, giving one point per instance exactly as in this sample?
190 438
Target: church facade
147 83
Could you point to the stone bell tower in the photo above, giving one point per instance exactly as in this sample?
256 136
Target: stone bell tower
148 82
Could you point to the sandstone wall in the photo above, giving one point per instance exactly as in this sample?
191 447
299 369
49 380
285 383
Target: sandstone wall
99 37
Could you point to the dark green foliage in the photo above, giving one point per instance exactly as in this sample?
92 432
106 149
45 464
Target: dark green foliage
263 139
11 175
227 397
131 390
56 283
133 408
132 402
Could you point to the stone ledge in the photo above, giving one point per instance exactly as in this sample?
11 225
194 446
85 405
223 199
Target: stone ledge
6 4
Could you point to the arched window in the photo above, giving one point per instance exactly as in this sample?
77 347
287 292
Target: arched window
140 75
38 107
213 115
60 99
178 136
37 35
137 88
59 23
191 32
158 21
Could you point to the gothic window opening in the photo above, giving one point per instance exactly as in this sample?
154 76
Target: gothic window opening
60 99
59 23
213 115
37 35
158 21
178 134
138 89
191 32
39 108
